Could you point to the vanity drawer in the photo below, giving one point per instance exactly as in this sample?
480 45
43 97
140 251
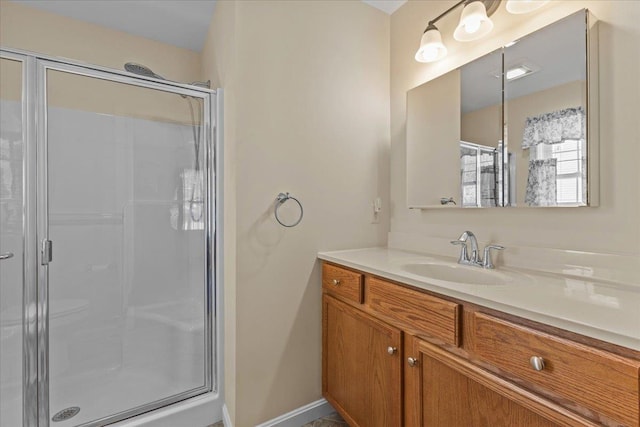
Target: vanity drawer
420 312
599 380
342 282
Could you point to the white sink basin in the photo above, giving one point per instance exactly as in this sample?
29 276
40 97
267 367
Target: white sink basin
462 274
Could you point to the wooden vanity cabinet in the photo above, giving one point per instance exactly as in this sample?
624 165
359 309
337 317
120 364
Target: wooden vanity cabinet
396 356
593 378
342 283
445 390
361 366
413 310
455 392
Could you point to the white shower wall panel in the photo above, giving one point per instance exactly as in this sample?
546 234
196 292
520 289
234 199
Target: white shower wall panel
128 280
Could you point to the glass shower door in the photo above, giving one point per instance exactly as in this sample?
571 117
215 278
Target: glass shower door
126 236
12 149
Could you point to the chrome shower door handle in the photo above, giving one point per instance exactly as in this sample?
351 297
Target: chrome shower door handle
6 255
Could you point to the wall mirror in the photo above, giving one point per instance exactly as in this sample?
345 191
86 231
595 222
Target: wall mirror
510 129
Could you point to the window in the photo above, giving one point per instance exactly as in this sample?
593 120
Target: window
570 169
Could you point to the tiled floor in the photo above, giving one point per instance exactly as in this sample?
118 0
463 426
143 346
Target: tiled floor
332 420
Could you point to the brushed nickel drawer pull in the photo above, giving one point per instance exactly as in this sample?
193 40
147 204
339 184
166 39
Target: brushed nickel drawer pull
537 363
391 350
336 282
412 361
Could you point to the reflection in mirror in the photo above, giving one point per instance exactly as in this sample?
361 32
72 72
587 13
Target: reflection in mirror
433 138
481 151
545 109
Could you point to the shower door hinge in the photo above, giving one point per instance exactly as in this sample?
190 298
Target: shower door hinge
47 252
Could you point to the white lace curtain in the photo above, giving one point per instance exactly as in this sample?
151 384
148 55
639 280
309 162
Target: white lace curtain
555 127
541 183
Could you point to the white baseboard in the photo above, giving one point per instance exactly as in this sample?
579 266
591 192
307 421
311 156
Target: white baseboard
301 416
226 419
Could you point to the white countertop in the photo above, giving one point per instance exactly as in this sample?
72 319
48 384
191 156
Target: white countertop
598 309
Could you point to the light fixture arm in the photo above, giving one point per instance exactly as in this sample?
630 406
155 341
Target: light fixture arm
442 15
491 6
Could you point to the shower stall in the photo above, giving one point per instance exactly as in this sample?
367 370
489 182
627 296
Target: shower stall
108 243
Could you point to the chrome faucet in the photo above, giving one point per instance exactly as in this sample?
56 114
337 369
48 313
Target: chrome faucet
474 259
462 241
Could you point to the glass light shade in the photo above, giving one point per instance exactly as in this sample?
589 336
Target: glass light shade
518 7
474 23
431 46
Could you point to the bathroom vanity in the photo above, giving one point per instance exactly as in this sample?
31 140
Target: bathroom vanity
415 340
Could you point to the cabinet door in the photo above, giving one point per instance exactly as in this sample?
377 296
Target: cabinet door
453 399
361 366
456 393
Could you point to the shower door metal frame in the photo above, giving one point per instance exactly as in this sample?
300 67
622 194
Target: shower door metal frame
29 249
36 230
43 66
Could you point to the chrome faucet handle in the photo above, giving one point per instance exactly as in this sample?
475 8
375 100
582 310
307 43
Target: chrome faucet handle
487 263
463 259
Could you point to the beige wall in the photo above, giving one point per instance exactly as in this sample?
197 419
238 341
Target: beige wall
11 75
612 227
310 82
478 126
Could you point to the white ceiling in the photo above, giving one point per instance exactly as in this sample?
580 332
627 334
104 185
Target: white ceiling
182 23
388 6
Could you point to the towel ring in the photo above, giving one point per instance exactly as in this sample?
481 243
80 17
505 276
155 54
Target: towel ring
280 200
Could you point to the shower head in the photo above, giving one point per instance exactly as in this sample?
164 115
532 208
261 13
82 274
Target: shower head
206 84
141 70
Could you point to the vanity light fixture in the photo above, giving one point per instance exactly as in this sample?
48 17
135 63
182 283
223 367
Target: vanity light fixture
524 6
474 23
431 46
